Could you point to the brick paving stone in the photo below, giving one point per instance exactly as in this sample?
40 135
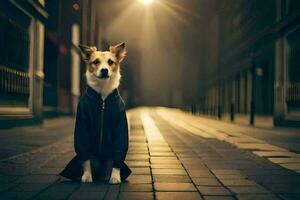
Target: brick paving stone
174 187
7 186
177 196
190 166
258 197
79 195
291 166
157 143
38 179
191 160
199 173
219 198
13 195
139 179
248 190
95 187
138 163
136 196
285 160
163 158
226 171
56 163
63 186
257 146
237 182
138 145
137 137
160 149
290 196
230 176
30 187
112 192
161 154
11 170
47 195
210 154
166 166
213 190
169 171
182 149
47 171
220 165
137 157
276 154
187 155
128 187
206 181
171 178
278 179
140 170
7 179
284 188
173 161
213 159
137 150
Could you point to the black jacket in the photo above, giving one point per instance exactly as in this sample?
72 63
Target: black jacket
101 132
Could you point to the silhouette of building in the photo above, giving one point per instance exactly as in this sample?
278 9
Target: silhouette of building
253 61
40 66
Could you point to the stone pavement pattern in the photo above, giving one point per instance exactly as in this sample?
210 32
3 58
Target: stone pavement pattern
168 162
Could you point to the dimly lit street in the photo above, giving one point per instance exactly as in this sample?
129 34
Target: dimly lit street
150 100
173 155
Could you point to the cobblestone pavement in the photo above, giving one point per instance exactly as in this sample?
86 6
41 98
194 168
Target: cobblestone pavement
172 156
23 139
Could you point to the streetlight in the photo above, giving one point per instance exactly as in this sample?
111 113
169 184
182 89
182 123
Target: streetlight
146 2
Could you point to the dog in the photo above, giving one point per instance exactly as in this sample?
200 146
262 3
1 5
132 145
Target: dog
103 68
101 129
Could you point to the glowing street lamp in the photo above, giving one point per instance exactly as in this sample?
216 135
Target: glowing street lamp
146 2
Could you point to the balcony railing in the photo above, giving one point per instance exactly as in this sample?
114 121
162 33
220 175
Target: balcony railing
293 93
13 81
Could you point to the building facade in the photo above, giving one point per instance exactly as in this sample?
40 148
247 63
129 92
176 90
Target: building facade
41 72
253 62
21 63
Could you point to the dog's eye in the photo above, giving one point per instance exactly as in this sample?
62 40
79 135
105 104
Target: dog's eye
96 62
110 62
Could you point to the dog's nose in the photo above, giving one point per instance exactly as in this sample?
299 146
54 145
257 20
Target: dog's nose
104 72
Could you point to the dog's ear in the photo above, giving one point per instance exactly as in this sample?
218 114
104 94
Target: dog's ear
119 50
87 51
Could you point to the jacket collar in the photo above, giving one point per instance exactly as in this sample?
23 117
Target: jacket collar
90 92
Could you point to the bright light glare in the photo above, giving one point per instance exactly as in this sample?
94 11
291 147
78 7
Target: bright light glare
146 2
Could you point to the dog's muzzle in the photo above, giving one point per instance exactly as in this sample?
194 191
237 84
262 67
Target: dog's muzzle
103 74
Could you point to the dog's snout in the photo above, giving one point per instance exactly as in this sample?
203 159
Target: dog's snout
104 72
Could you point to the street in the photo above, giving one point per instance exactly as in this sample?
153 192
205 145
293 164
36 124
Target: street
173 155
210 88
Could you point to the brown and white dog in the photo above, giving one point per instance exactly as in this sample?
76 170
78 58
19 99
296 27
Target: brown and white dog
103 68
103 75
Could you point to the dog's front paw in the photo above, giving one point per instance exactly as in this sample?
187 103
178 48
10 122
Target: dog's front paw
115 177
87 178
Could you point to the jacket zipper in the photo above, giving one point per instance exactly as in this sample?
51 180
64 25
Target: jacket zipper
101 123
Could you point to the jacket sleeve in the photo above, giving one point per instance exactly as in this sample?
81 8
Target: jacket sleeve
81 134
120 140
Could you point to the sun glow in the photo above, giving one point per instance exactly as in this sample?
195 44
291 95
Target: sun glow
146 2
